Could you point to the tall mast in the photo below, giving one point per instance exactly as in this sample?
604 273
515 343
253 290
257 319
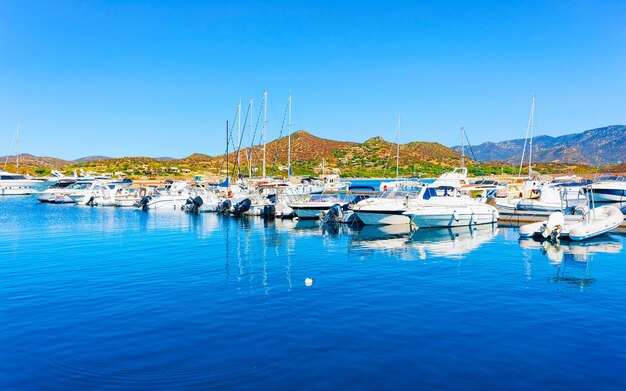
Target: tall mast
398 148
530 128
251 141
227 153
462 147
238 137
289 140
17 148
264 128
530 119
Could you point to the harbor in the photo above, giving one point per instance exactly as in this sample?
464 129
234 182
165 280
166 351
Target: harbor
316 196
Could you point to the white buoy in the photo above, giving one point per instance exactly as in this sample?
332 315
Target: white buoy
308 281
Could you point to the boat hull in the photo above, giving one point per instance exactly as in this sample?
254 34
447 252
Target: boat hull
446 217
382 217
609 195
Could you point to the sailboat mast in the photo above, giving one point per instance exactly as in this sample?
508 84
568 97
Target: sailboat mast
264 128
227 152
462 147
530 127
238 137
251 140
289 140
17 149
398 148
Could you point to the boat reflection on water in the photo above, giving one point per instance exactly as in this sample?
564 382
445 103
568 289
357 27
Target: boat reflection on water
449 242
573 259
318 228
381 237
454 242
566 250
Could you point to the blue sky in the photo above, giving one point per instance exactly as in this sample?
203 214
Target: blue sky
160 78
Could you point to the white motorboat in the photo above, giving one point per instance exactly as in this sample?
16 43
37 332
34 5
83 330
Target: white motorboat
59 193
17 184
173 197
585 224
454 178
315 206
550 198
444 206
609 189
411 184
387 209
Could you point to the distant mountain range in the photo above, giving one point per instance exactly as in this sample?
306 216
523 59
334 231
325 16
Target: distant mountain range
375 156
600 146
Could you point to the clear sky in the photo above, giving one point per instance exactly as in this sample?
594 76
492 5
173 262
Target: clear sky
161 78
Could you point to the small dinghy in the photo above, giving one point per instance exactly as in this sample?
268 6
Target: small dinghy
584 224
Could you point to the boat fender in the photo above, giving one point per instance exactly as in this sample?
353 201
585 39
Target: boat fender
230 193
385 188
521 195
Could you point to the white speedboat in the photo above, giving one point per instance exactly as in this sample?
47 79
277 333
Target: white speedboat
585 224
387 209
173 197
315 206
454 178
17 184
609 189
550 198
445 207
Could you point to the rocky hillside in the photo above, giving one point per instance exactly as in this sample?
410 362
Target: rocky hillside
35 161
593 147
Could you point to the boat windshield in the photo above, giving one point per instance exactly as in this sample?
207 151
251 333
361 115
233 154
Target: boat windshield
401 194
440 191
611 179
486 182
79 186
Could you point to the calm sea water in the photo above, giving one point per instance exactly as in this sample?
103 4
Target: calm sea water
105 298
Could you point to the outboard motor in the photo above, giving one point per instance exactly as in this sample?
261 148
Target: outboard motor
143 202
241 207
333 215
193 204
88 199
269 211
224 207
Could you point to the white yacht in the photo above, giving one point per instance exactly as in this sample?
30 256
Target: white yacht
454 178
17 184
387 209
173 197
314 206
444 206
609 189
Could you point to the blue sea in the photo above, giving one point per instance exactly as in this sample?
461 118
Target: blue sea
118 299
